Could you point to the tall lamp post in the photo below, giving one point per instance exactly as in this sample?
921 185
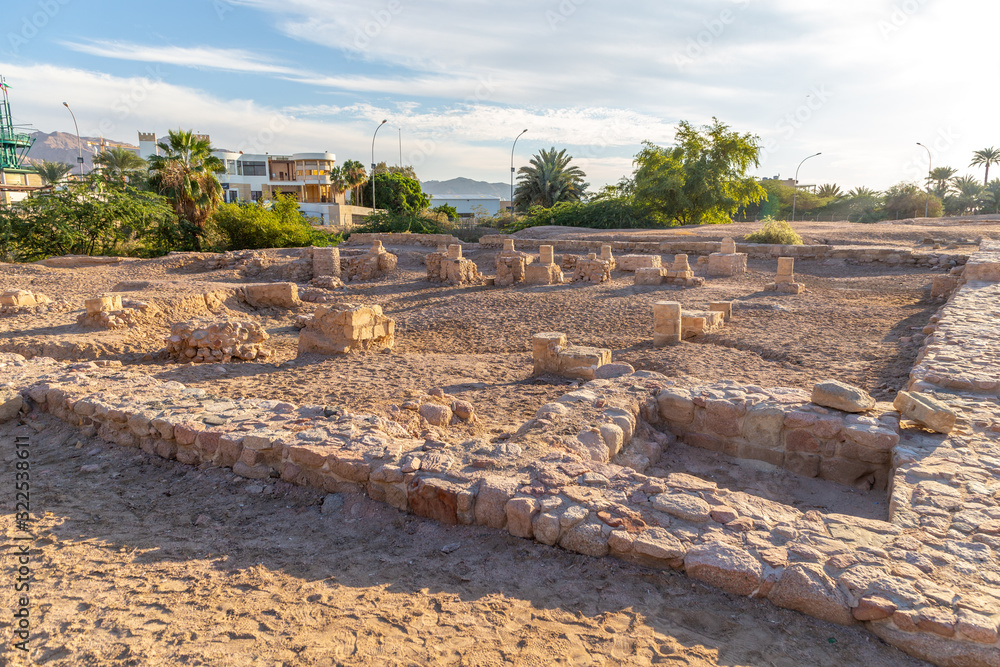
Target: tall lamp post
927 203
79 143
512 175
373 163
795 192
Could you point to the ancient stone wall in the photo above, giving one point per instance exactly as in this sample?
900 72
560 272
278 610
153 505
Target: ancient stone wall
552 354
427 240
222 342
341 329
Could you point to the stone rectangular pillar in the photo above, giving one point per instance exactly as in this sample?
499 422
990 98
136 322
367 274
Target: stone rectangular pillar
326 262
666 323
545 348
724 307
728 246
454 251
546 254
681 263
786 270
606 252
377 248
508 245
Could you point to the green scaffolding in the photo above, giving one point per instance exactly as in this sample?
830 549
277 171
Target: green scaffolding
13 145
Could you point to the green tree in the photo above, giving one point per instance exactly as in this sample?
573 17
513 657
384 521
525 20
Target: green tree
989 200
941 178
406 170
274 224
702 179
396 193
905 200
829 191
338 181
86 218
549 180
186 175
356 177
53 173
862 191
448 210
966 195
985 158
121 164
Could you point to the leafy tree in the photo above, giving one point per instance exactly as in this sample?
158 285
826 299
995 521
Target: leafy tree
941 178
407 170
390 222
862 191
448 210
355 177
549 180
396 193
905 200
338 181
272 224
86 218
53 173
985 158
989 200
185 174
702 179
829 191
607 213
965 199
121 164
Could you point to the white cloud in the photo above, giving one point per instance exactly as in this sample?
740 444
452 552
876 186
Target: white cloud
198 57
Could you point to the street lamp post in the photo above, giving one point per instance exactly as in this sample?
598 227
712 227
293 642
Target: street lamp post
373 163
512 175
927 203
79 142
795 192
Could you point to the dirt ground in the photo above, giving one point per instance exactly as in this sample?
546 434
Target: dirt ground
150 562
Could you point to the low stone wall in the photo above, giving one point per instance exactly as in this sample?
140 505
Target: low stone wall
426 240
225 341
552 354
342 329
861 254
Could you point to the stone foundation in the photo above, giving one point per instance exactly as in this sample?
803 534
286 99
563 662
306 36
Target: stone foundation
635 262
592 270
510 265
553 355
376 264
451 268
273 295
785 280
545 271
345 329
222 342
106 311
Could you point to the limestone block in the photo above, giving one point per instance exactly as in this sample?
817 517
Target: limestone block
18 298
943 285
724 307
926 410
543 274
103 303
278 295
223 341
546 254
724 566
786 270
347 328
681 264
326 262
454 251
724 265
592 270
510 270
606 256
634 262
786 288
842 396
577 361
376 264
10 404
728 246
666 323
649 276
508 245
698 322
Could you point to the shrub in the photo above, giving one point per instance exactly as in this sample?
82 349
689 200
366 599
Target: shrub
259 225
775 231
387 222
616 213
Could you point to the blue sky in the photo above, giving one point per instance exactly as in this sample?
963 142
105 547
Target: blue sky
861 81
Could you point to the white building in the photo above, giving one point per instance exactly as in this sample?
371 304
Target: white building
468 205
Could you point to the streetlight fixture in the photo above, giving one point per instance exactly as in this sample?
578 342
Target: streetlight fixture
512 175
927 203
795 192
373 163
79 142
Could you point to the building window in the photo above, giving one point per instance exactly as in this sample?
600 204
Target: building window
256 195
251 168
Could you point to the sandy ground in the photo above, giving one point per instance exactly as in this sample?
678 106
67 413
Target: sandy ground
149 562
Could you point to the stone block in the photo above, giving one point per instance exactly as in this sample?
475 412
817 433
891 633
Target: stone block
727 246
943 285
926 410
648 276
326 262
842 396
724 566
724 265
276 295
546 254
543 274
434 498
635 262
20 298
347 328
724 307
699 322
454 251
577 361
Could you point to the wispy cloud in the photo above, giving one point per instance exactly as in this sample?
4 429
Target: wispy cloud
198 57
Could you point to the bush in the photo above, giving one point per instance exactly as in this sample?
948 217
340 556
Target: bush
387 222
259 225
616 213
775 231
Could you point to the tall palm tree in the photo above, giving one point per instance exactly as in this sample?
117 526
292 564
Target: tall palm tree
185 174
829 191
549 180
338 182
985 158
989 200
941 177
968 190
355 176
53 173
120 163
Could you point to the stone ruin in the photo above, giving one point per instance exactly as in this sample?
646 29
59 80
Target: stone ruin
606 256
727 262
17 301
552 354
545 271
326 268
107 311
376 264
592 269
511 265
671 323
451 268
223 341
632 263
341 329
785 280
679 273
273 295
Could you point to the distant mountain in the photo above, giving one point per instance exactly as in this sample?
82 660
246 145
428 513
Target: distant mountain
466 186
63 147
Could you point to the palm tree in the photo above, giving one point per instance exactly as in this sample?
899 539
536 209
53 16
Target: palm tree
941 177
549 180
862 191
355 176
989 200
120 163
985 158
968 190
185 174
829 191
338 182
53 173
